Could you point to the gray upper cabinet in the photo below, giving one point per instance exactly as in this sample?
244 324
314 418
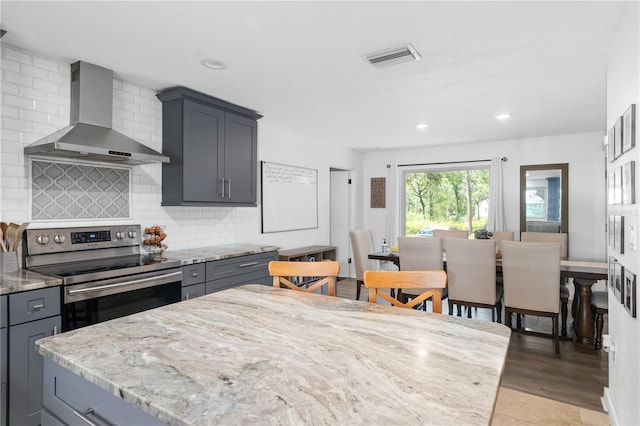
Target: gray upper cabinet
212 145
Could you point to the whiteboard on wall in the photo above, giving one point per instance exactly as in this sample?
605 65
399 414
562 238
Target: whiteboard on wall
289 198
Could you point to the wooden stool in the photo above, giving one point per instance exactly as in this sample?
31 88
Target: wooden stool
600 306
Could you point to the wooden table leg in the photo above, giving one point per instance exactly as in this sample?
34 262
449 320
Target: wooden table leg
584 320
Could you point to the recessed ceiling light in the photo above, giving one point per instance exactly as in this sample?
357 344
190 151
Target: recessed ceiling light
421 126
503 116
213 64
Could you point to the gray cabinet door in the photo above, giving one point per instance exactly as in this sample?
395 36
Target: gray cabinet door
203 160
25 374
240 156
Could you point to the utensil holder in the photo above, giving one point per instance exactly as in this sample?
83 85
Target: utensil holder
9 262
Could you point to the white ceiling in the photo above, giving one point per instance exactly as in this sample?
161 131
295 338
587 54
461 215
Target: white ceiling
301 64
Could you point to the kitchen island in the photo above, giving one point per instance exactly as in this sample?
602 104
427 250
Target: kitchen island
256 354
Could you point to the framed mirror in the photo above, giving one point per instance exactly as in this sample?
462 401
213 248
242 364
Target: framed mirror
544 198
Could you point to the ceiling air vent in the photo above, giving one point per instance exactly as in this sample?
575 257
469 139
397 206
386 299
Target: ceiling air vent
394 57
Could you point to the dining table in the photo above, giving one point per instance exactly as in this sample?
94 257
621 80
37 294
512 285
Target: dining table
265 355
585 273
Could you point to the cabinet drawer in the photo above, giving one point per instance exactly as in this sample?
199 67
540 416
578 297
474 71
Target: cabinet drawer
34 305
191 291
255 277
3 404
193 274
66 393
219 269
3 312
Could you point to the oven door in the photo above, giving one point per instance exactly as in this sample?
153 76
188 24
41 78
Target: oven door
98 301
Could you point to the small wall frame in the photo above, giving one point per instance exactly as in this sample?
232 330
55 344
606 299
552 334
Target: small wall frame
378 193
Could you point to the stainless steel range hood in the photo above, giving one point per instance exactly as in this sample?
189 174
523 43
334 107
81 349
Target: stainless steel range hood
90 136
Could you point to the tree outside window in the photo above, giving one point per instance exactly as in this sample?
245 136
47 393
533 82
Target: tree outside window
446 199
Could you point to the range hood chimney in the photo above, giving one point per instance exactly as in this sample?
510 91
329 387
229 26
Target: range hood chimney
90 136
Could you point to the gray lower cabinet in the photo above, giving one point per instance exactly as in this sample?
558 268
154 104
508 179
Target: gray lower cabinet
33 315
3 359
71 400
235 271
204 278
213 149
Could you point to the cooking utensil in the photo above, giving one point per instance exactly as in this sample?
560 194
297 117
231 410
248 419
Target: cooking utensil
12 235
4 248
19 233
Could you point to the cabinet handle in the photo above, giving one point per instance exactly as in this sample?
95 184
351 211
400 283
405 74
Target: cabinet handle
229 192
55 330
222 185
194 274
37 307
244 265
83 416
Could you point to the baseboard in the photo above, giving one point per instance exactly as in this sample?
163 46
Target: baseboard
609 407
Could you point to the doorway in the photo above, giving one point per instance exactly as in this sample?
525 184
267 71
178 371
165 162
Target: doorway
341 210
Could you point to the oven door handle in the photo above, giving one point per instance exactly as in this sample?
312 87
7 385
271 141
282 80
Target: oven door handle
127 283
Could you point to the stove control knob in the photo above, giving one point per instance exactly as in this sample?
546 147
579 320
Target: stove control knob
43 240
119 235
59 238
132 234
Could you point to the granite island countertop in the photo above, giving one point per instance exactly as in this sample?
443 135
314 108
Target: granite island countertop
257 354
24 280
219 252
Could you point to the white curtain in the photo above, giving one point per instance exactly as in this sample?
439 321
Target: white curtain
496 219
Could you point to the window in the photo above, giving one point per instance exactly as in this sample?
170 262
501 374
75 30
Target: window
444 198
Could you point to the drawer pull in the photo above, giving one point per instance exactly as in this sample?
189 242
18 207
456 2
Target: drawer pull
37 307
244 265
84 417
194 274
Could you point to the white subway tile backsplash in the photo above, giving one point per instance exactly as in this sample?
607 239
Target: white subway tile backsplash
46 64
32 71
17 78
20 125
47 86
34 94
9 88
136 112
35 116
17 101
10 65
10 111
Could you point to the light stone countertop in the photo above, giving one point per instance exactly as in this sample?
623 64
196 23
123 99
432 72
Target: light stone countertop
224 251
23 280
256 354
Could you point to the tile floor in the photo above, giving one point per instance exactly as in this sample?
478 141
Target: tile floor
518 408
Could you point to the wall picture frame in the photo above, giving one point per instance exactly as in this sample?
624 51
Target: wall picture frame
617 185
630 292
628 182
611 188
378 192
611 144
612 275
618 272
618 138
618 229
629 128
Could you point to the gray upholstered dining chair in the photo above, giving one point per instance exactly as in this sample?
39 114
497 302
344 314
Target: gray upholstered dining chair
499 237
419 254
562 239
471 270
531 279
362 246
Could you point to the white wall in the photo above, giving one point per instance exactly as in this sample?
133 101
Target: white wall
35 103
584 152
623 89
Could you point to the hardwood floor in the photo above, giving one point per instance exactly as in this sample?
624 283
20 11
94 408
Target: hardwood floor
532 368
